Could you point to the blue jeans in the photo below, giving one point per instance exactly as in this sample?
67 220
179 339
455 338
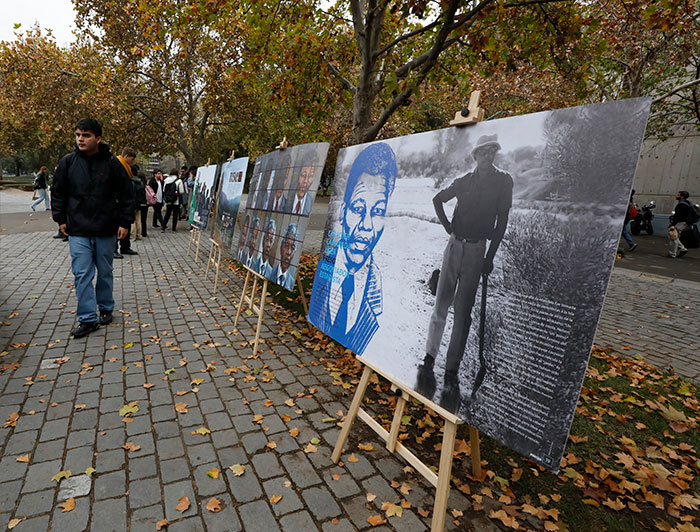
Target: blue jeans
42 195
88 253
627 236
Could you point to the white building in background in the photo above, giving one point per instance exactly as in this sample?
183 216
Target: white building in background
667 166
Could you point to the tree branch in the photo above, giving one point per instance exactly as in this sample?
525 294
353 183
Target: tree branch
675 90
334 70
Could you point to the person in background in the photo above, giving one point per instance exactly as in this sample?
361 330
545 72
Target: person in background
93 202
184 197
60 233
156 183
173 189
127 159
630 213
41 186
681 218
138 228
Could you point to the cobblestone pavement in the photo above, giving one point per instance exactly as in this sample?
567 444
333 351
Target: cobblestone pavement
69 392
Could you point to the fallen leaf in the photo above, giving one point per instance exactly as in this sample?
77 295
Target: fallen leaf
271 445
14 522
183 504
371 497
148 385
392 509
213 505
366 447
131 446
181 408
504 518
61 475
352 458
68 506
214 472
160 525
275 499
237 469
130 408
24 458
376 520
202 430
310 448
294 432
90 471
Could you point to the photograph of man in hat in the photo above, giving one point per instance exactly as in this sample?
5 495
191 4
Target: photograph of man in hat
484 199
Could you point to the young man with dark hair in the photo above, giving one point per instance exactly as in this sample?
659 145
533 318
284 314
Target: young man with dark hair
93 203
681 218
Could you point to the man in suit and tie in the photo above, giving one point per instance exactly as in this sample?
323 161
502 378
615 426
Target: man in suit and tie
266 269
283 175
303 199
243 245
347 293
283 276
251 260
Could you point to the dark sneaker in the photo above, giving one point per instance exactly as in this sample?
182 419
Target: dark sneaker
85 328
451 397
682 252
58 235
118 255
105 317
65 238
425 383
130 252
632 247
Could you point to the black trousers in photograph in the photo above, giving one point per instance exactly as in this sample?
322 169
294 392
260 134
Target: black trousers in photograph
157 215
172 209
144 220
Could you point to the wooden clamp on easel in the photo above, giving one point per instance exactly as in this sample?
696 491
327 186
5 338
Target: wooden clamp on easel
214 260
469 115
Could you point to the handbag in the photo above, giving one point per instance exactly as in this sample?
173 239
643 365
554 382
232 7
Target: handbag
151 197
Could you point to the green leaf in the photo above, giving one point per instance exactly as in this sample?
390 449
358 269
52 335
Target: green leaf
315 441
406 420
328 420
131 408
90 471
169 371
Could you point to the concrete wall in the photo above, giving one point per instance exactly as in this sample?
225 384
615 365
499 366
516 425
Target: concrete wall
665 167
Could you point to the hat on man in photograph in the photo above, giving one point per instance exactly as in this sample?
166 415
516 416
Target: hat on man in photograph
486 140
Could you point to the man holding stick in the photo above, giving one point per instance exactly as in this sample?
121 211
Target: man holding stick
484 198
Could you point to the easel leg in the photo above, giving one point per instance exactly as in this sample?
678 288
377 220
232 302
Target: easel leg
189 246
211 250
396 424
240 304
260 316
475 444
303 296
196 255
351 415
218 266
443 488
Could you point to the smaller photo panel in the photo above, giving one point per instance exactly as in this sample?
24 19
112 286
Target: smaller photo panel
285 220
252 187
277 199
243 238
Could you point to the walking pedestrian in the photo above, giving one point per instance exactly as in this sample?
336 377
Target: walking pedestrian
684 215
173 188
93 203
156 183
127 158
630 213
41 186
138 228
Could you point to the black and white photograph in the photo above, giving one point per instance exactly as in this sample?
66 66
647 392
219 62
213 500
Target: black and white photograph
281 194
460 263
203 195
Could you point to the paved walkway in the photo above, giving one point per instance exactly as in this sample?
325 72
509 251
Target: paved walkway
69 394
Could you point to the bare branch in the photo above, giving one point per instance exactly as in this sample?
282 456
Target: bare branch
334 70
675 90
531 2
405 36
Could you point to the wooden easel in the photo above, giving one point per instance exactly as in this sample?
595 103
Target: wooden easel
195 237
469 115
214 260
249 299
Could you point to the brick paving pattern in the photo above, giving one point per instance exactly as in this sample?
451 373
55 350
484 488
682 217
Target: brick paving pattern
69 392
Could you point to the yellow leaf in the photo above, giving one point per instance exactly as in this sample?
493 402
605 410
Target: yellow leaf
294 432
24 459
392 509
371 497
196 382
591 502
130 344
61 475
181 408
271 445
202 431
68 505
616 505
14 522
366 447
213 505
237 469
552 527
275 499
214 473
162 524
90 471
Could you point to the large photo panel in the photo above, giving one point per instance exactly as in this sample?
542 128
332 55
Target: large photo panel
229 199
203 195
281 194
458 262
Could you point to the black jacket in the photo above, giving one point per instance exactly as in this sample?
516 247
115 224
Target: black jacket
681 213
40 182
92 195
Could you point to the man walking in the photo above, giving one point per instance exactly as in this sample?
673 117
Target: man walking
127 159
683 216
93 203
484 198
